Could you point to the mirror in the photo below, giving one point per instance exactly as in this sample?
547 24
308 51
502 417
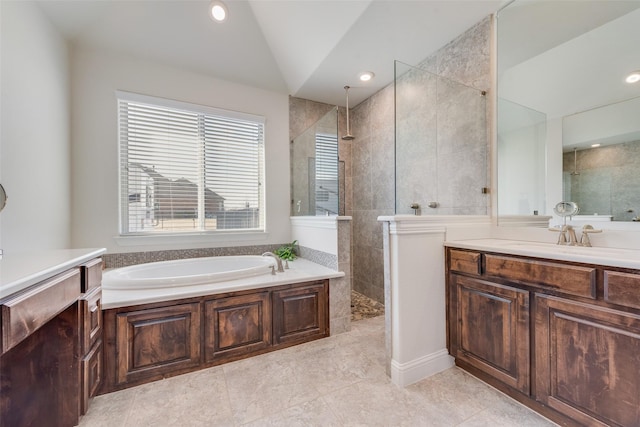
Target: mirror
561 86
601 160
316 174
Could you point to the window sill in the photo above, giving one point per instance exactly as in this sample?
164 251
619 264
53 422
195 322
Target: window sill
195 238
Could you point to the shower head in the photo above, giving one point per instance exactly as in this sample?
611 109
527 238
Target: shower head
348 137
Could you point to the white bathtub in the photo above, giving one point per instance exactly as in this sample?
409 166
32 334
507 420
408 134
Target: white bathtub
187 272
195 277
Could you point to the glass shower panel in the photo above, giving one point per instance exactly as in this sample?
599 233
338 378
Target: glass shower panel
315 170
441 145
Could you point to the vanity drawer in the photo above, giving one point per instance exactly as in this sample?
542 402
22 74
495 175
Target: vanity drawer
91 274
568 279
25 313
464 261
622 288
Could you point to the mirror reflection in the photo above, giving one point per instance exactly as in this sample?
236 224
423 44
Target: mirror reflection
600 162
560 91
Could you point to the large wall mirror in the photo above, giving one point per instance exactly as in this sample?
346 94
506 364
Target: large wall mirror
568 122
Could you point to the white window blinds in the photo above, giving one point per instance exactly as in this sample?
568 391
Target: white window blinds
326 174
188 168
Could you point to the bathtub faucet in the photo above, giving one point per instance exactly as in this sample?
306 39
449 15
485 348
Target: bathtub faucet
278 260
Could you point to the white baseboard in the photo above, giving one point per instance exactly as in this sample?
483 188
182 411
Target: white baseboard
404 374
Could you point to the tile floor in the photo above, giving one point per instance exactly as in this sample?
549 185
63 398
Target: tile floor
336 381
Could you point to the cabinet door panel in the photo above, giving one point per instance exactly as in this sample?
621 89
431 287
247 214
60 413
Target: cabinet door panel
300 313
156 341
588 361
91 372
493 330
91 323
237 326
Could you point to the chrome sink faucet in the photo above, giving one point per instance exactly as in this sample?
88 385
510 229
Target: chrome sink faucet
278 260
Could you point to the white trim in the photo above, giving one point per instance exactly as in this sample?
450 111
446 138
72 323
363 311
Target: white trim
432 224
541 221
188 106
327 222
404 374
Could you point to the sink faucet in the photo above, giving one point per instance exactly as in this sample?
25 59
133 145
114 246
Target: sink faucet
568 235
584 239
278 260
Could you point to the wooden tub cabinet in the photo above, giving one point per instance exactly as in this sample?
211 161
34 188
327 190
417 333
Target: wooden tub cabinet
561 337
148 342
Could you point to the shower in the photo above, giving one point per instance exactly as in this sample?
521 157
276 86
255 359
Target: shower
348 136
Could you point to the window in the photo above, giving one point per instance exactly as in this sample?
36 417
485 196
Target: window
326 174
187 168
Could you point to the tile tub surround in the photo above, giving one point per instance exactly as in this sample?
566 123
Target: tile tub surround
117 260
336 381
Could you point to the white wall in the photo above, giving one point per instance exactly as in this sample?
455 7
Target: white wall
34 150
96 75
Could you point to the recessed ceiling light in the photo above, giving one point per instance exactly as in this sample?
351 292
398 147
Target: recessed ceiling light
366 76
218 11
595 145
633 77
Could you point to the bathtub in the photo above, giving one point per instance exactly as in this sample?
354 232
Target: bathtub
187 272
194 277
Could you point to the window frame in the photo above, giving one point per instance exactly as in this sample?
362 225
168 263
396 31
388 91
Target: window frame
126 237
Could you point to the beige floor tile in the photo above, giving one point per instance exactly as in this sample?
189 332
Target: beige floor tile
265 385
336 381
312 413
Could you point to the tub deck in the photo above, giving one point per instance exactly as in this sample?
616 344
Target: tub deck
300 270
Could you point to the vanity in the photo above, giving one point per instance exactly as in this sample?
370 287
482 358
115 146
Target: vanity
51 347
555 327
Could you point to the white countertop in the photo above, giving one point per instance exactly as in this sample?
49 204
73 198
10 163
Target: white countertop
20 271
612 257
300 270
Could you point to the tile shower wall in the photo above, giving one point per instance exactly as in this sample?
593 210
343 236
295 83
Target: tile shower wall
465 60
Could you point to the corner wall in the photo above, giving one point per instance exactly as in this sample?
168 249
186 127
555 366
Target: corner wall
34 161
96 75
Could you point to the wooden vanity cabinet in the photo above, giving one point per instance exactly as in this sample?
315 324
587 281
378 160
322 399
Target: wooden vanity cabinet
588 361
51 357
560 337
90 331
484 309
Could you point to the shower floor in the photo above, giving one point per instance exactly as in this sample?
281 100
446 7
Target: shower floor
363 307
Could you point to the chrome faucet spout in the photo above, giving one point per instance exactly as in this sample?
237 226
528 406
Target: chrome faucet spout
278 260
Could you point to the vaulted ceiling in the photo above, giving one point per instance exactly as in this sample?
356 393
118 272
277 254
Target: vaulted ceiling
306 48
